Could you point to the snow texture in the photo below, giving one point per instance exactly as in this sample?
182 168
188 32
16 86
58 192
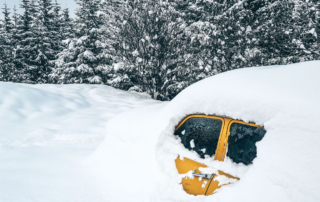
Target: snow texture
46 134
283 99
135 161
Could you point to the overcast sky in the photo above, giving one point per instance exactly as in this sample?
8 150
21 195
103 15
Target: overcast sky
71 4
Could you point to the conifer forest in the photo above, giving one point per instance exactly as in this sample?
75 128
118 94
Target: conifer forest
158 47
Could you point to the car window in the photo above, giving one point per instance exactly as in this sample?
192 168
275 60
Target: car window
242 142
200 134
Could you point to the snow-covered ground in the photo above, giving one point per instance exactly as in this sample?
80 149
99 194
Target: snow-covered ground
47 132
283 99
55 146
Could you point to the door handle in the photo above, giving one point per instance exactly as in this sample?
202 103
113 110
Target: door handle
205 176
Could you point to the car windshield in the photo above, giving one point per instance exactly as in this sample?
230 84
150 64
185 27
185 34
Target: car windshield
200 134
242 142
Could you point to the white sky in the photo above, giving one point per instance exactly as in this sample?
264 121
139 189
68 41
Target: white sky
71 4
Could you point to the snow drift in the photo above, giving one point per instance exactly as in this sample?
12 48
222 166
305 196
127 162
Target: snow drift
137 155
46 132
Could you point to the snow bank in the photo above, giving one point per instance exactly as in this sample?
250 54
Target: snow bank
137 156
52 114
46 132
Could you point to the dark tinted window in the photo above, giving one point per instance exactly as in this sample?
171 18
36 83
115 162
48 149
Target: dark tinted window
200 134
242 142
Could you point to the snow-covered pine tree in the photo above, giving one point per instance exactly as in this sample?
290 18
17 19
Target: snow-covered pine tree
305 24
159 47
6 46
42 44
317 18
67 25
84 59
25 40
192 44
272 30
232 39
210 42
113 12
15 17
57 24
7 22
149 43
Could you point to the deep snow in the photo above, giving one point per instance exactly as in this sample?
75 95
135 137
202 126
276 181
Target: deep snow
46 133
49 136
283 99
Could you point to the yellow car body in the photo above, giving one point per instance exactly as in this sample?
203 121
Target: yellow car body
200 184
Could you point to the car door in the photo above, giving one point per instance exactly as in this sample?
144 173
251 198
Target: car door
201 134
191 184
242 139
197 183
237 142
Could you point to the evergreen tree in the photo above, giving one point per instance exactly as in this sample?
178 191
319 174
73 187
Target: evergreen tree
305 26
5 54
7 22
6 46
148 41
84 60
27 15
67 25
24 38
158 47
44 42
34 11
57 25
15 17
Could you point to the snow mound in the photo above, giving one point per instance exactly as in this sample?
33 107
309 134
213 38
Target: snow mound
137 156
46 132
58 114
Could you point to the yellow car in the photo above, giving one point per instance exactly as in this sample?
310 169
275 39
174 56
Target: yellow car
219 138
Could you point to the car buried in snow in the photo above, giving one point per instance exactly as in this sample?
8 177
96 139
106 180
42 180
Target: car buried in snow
245 135
217 137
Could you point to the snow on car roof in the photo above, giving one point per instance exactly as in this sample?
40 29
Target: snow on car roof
253 94
283 99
